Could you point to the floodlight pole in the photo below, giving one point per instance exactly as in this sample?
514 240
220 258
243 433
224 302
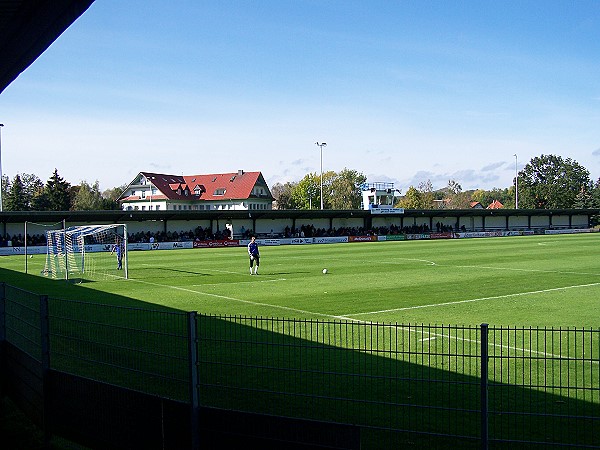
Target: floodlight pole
516 184
1 125
322 144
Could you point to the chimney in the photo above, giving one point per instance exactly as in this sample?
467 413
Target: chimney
240 172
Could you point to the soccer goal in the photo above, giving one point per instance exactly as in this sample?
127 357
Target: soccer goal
88 252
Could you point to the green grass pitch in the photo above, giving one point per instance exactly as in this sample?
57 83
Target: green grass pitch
525 281
551 281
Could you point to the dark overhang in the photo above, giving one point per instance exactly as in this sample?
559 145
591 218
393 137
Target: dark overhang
28 28
119 216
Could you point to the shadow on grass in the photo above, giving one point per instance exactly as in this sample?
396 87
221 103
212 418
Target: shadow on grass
400 387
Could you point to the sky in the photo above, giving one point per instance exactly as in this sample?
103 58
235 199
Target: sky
401 91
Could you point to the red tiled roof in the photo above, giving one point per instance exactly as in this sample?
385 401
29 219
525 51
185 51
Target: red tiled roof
495 205
237 185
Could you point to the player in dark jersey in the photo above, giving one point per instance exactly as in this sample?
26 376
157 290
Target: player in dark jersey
118 250
254 255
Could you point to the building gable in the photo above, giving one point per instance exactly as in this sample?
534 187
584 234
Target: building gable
238 187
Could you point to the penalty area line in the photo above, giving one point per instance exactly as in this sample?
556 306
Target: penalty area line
274 280
435 305
225 297
432 336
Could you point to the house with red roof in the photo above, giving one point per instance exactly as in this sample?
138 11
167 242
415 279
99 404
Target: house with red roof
495 205
222 191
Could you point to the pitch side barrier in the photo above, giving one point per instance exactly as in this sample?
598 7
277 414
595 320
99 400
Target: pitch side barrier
41 249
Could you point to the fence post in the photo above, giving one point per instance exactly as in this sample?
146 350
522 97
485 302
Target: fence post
2 335
193 374
2 312
484 386
45 347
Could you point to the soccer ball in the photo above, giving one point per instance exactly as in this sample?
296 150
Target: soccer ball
31 256
324 270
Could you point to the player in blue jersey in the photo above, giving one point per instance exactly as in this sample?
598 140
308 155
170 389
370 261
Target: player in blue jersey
254 255
118 249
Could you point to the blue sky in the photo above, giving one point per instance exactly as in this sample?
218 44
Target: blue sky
402 91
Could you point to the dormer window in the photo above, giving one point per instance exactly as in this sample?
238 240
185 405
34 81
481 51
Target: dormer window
220 191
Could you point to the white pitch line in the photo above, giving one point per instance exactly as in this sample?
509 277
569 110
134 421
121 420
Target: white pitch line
410 329
398 260
225 297
240 282
433 305
506 347
528 270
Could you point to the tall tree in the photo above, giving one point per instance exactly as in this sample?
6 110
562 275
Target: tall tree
111 197
328 178
88 197
346 189
16 199
31 184
427 196
282 193
307 192
59 193
411 200
551 182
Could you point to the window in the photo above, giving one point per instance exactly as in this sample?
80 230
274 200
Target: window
143 194
220 191
157 207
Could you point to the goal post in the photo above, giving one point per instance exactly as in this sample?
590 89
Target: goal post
36 235
87 252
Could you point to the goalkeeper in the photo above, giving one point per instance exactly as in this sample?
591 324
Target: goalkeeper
118 249
254 255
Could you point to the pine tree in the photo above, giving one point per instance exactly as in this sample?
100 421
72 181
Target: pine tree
59 193
16 199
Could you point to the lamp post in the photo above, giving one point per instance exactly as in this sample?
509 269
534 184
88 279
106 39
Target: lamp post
1 125
516 184
322 144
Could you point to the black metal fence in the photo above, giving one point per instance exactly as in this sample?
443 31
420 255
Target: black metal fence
117 377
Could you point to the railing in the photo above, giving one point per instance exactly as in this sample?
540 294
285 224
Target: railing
418 386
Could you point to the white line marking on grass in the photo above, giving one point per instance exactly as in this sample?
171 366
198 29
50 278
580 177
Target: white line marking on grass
507 347
397 261
433 336
240 282
518 294
249 302
528 270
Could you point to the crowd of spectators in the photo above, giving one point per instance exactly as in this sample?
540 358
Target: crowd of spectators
203 234
197 234
18 240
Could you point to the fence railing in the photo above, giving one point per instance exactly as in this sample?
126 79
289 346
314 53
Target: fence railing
421 386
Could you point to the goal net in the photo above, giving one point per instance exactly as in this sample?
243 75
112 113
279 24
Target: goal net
89 252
